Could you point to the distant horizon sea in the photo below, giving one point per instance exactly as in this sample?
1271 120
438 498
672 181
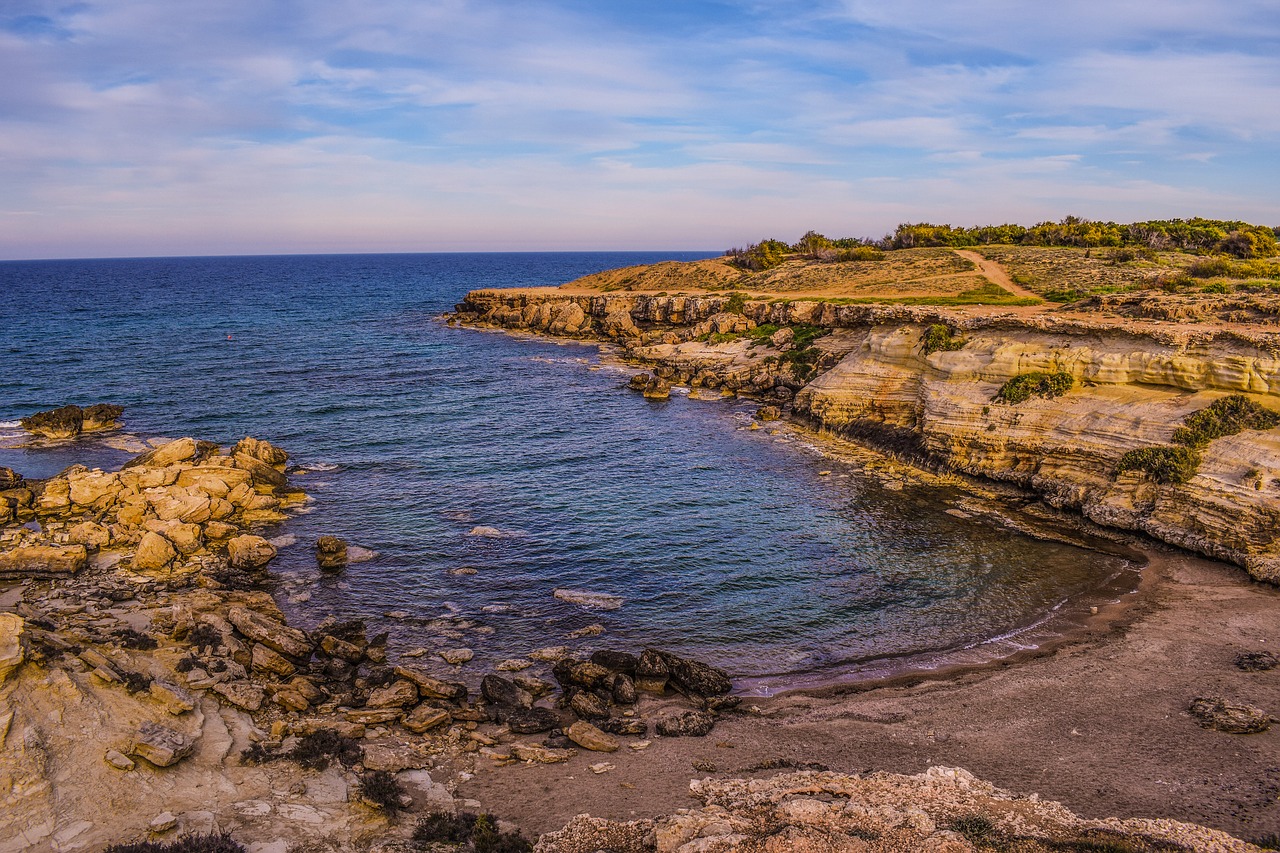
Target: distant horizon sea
486 471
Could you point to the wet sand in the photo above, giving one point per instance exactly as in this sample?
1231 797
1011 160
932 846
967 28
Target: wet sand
1098 722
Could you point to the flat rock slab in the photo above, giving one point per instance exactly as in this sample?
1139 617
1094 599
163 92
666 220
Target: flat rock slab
162 746
43 561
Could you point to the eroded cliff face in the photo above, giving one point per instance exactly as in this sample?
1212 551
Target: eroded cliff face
872 379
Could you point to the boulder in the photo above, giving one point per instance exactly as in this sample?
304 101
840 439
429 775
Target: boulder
424 718
290 700
11 653
174 699
502 692
249 552
185 537
652 672
101 416
432 687
528 721
588 706
397 694
9 479
89 534
241 693
695 677
276 635
624 690
589 737
374 716
43 561
335 648
639 382
572 673
181 450
261 473
633 726
160 745
265 659
1214 712
90 488
263 451
656 389
457 657
214 481
615 661
685 724
331 553
155 553
64 422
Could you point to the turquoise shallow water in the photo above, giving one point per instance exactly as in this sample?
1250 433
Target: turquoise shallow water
722 542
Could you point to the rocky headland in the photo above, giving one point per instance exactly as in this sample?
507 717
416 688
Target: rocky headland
942 387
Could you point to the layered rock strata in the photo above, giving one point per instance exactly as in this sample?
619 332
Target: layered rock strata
872 377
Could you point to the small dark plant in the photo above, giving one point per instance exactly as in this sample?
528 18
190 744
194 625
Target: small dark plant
204 635
258 754
1256 661
131 639
977 829
186 664
1268 842
322 747
189 843
135 682
1024 386
380 789
479 832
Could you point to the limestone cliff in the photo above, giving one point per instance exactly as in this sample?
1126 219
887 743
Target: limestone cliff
871 378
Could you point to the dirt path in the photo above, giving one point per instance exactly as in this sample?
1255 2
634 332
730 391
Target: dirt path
997 274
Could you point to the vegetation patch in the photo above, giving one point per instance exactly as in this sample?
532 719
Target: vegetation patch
189 843
1226 416
939 338
735 303
322 747
468 831
380 789
1167 464
1024 386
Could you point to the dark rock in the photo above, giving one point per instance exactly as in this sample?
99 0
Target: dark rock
639 382
652 672
574 673
695 677
716 704
624 690
1256 661
558 741
501 691
432 687
768 413
616 661
331 553
588 706
64 422
10 479
1214 712
633 726
101 416
527 721
656 389
686 724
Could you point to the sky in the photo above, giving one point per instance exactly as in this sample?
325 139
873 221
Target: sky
193 127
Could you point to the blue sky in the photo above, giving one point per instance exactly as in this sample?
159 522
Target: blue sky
149 127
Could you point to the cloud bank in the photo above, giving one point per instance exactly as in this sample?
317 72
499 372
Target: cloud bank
140 127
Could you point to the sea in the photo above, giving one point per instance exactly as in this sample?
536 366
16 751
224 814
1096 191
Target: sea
482 472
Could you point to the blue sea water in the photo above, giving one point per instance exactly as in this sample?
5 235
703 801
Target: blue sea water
723 543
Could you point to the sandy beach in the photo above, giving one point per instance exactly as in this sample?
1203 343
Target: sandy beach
1100 724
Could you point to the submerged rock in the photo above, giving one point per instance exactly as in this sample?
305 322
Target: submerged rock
331 553
589 600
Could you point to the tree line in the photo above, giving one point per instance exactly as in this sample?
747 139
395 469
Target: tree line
1197 235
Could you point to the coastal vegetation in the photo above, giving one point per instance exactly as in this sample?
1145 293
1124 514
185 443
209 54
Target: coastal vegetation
939 338
1178 463
1024 386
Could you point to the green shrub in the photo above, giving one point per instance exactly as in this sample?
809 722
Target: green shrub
937 338
1217 287
1024 386
1167 464
861 253
735 303
1226 416
1211 268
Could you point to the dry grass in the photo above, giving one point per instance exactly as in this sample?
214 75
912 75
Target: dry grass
1066 274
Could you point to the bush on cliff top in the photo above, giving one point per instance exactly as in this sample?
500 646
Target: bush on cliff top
1024 386
937 338
1227 416
1167 464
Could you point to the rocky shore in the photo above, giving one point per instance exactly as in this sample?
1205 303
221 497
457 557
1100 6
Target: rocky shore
133 614
928 384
